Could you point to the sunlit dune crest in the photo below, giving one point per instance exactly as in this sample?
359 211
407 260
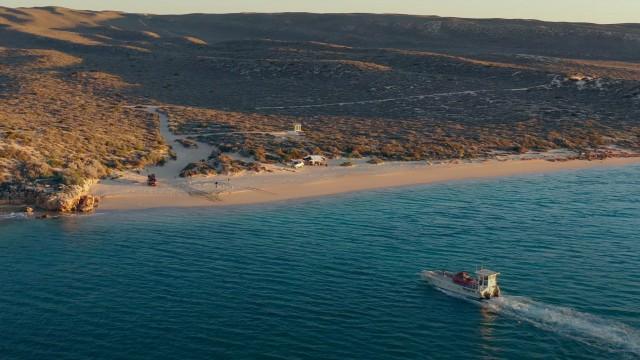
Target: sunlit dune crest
55 22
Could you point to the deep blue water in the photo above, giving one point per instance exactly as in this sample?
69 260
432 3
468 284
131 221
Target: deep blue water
336 278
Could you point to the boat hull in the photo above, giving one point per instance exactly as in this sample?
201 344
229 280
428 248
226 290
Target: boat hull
443 281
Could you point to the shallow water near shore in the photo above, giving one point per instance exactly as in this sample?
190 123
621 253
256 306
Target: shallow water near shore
336 277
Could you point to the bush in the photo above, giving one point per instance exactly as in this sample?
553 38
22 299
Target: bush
354 155
198 168
187 143
347 164
255 166
226 147
156 158
295 154
375 161
34 170
225 159
115 164
521 149
259 153
72 177
55 163
93 169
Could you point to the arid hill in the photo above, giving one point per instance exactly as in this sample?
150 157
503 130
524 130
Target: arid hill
457 35
391 86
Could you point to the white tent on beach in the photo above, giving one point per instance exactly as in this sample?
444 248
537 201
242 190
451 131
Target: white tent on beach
315 160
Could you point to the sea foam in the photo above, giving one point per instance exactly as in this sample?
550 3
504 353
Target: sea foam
583 327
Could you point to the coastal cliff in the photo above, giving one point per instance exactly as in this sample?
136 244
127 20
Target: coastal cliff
60 198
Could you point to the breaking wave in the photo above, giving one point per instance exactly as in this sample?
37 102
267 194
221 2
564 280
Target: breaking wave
583 327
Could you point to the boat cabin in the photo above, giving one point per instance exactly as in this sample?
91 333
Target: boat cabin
483 286
487 278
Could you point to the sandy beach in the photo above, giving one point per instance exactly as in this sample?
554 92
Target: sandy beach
131 192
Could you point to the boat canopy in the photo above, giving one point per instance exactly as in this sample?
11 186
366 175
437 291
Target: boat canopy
486 272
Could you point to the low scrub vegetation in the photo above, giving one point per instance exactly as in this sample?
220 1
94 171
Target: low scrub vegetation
69 126
265 137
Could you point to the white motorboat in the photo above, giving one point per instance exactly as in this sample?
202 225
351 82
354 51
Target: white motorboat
482 287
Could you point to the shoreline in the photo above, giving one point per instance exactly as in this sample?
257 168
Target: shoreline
131 193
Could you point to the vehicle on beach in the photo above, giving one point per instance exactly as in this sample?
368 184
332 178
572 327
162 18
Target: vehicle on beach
152 180
297 164
315 160
482 287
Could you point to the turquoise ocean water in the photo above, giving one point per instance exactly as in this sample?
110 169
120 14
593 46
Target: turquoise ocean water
336 277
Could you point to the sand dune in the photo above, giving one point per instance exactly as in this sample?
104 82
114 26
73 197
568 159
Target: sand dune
55 22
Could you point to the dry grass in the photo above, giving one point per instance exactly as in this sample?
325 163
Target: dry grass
62 114
59 123
259 136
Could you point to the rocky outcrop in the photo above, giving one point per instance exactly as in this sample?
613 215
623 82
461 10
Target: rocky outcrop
60 198
21 194
70 199
87 203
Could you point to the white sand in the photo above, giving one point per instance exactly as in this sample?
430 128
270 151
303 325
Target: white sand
184 157
131 192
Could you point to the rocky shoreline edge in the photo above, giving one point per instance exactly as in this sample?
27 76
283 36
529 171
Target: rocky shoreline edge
50 198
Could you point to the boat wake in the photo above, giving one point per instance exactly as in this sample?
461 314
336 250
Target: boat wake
583 327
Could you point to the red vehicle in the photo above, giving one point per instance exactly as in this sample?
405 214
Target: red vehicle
152 180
